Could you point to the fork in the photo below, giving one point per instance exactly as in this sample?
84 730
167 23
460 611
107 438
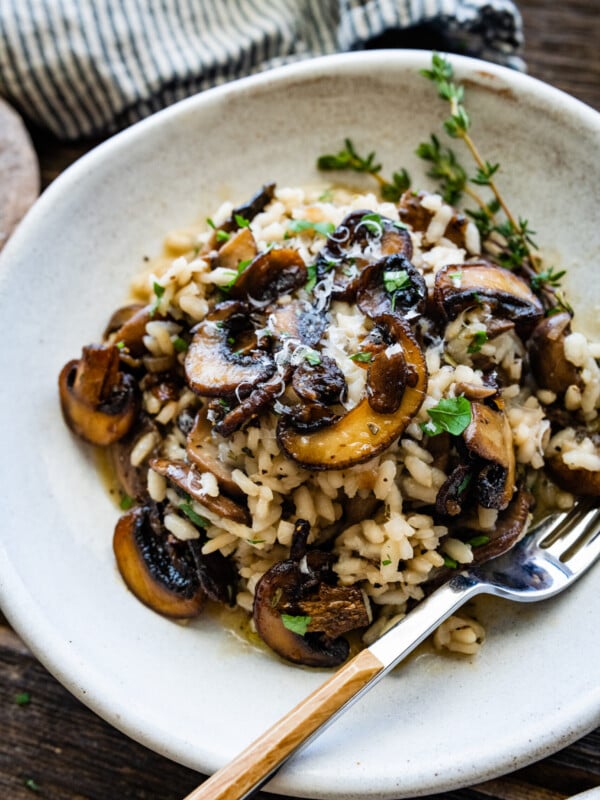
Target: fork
545 562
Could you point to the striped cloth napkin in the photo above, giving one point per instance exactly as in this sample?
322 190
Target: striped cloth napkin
83 68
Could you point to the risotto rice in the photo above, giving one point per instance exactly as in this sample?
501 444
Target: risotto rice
391 524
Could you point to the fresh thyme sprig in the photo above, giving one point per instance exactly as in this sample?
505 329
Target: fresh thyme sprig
349 159
457 125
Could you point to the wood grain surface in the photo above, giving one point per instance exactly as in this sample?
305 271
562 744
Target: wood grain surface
19 171
53 747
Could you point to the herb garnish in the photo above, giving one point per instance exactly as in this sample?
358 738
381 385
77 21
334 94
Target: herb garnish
349 159
478 541
180 344
395 280
451 414
299 225
241 221
479 339
313 357
297 625
363 357
158 292
23 698
126 502
188 510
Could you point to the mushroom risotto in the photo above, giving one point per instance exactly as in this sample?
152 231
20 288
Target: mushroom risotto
323 405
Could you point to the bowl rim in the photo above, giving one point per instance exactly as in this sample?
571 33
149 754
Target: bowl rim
41 636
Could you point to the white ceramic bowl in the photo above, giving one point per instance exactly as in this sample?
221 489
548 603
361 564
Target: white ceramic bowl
195 693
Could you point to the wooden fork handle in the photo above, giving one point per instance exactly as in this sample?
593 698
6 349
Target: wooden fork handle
258 761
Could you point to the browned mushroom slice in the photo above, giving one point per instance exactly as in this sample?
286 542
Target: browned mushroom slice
566 469
120 317
98 401
301 614
387 378
213 365
489 437
474 391
391 285
240 247
413 213
297 320
130 334
244 213
510 526
461 286
361 238
161 573
362 432
216 573
271 274
189 480
453 492
310 416
323 382
203 452
549 364
133 478
251 406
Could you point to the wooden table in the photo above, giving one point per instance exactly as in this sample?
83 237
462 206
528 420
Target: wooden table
54 747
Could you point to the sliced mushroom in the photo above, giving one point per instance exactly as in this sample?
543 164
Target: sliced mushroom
239 248
303 587
213 368
216 573
203 452
412 212
362 432
461 286
271 274
130 334
489 437
510 526
250 209
323 382
189 480
547 358
573 461
391 285
133 478
98 401
297 320
387 378
453 492
361 238
160 572
252 405
120 317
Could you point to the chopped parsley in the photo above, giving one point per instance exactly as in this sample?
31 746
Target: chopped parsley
477 342
477 541
451 414
362 357
189 512
180 344
241 221
311 271
222 236
126 502
450 562
297 625
312 357
158 293
395 279
300 225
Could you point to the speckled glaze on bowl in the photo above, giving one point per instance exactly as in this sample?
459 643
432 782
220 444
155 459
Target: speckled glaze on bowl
195 693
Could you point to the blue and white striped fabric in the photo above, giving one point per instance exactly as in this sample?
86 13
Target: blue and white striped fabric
90 67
